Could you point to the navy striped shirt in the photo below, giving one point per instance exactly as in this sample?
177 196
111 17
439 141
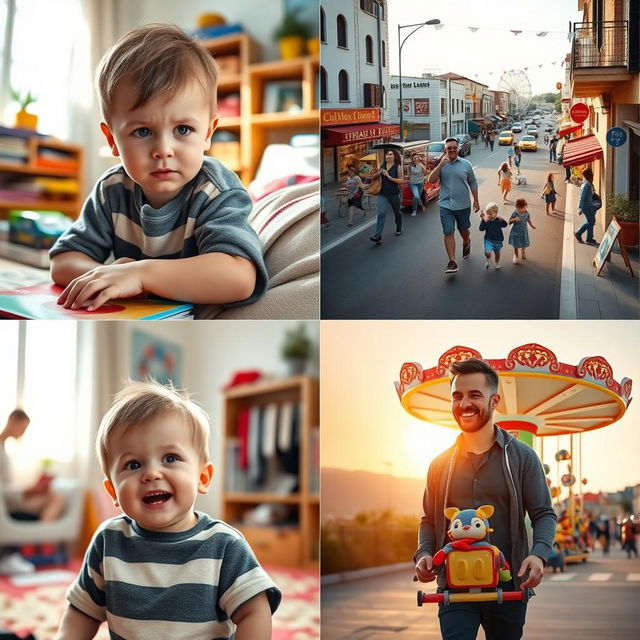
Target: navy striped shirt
169 586
208 215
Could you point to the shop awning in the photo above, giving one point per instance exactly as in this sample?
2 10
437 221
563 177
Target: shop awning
335 136
570 128
581 151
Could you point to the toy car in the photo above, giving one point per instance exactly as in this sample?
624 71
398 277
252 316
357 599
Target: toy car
37 229
471 562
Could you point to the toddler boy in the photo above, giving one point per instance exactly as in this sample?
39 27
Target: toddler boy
163 570
492 225
175 222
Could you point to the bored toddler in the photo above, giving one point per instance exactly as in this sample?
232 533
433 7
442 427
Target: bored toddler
163 570
175 223
492 225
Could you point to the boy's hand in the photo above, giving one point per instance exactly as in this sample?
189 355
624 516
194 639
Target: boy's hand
102 284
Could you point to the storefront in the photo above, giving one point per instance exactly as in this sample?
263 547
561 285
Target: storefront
347 135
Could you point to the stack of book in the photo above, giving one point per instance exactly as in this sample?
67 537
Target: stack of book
13 150
52 158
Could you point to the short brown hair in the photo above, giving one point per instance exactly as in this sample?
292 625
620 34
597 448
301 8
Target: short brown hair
141 402
474 365
19 414
158 59
521 202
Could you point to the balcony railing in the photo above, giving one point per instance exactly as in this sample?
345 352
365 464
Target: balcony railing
600 44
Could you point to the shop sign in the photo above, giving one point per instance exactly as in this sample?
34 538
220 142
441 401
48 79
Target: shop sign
349 116
616 136
579 112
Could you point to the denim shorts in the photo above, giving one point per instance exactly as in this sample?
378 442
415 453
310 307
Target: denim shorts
451 218
492 245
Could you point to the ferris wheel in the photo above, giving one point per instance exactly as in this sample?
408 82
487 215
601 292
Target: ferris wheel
516 83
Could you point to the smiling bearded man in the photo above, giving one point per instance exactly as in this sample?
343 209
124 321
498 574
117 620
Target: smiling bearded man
486 465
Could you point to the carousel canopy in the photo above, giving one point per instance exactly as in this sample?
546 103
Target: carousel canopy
536 391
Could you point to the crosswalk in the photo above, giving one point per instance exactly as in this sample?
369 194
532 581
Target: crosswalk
567 576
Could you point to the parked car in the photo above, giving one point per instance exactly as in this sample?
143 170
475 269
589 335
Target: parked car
431 191
528 143
517 127
435 151
532 131
505 137
548 127
464 144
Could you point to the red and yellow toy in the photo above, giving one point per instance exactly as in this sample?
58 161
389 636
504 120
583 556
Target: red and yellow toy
471 561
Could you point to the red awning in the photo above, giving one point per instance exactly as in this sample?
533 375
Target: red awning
581 151
569 129
333 136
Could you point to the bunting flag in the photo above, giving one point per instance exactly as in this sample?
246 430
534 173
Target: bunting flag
473 29
439 26
542 34
515 31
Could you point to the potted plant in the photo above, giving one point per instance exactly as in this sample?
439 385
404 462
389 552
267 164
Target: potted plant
296 349
291 34
24 119
626 212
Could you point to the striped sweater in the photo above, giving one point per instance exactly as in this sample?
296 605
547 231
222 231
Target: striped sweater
208 215
169 586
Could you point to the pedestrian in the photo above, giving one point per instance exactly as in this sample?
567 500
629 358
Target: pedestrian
588 204
353 186
605 536
492 225
510 153
390 173
549 194
504 181
492 138
519 234
517 157
486 465
553 143
417 173
485 137
629 537
456 179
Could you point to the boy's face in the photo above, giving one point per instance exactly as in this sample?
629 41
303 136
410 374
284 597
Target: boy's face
491 214
156 473
162 142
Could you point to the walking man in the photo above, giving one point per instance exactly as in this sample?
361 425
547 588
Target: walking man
492 138
456 179
486 465
553 143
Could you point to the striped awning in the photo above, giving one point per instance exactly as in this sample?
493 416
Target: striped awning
581 151
569 129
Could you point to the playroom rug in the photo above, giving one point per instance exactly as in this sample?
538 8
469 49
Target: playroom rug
38 609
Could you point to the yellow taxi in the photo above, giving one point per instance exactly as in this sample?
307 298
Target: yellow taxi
505 137
528 143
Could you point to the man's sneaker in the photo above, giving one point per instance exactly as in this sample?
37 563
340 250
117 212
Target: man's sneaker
376 239
498 266
592 241
452 267
487 265
413 214
578 237
399 233
466 249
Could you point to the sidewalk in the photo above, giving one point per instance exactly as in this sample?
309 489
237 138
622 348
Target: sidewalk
614 294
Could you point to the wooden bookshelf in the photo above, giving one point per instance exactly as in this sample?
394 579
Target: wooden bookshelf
255 128
294 543
30 168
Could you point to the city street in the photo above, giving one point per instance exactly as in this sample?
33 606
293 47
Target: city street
404 277
590 601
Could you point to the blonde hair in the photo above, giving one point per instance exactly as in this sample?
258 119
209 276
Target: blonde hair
490 206
158 59
141 402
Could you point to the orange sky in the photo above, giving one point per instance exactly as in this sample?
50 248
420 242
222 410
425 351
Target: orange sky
364 426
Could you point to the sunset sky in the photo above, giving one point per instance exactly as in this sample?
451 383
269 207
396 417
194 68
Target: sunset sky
364 426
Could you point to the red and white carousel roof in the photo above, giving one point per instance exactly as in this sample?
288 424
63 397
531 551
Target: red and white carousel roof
553 397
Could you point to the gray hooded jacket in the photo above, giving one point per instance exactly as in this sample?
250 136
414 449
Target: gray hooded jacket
528 492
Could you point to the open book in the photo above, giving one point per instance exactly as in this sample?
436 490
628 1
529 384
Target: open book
39 301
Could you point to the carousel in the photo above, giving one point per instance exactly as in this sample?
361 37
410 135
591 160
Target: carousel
540 397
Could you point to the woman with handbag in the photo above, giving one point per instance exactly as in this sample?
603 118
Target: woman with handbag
549 194
588 203
354 193
390 174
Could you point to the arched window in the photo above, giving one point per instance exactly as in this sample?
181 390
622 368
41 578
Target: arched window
343 85
323 26
323 83
341 25
369 49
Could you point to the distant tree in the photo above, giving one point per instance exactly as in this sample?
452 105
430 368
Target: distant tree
544 97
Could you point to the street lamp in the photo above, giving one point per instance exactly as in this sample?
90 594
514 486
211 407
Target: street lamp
406 26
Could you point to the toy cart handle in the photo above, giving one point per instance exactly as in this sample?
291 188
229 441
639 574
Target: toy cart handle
488 596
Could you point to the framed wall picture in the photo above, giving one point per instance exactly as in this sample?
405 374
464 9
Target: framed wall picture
154 357
282 95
